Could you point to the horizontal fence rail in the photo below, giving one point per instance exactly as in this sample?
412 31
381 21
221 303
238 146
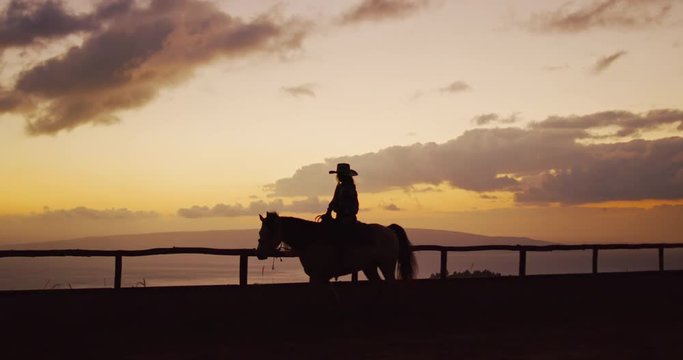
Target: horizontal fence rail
522 249
244 254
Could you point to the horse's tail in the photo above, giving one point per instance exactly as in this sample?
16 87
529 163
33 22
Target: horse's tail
406 259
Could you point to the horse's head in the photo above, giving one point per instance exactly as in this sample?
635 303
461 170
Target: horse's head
270 235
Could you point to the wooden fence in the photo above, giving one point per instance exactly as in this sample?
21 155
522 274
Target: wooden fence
244 254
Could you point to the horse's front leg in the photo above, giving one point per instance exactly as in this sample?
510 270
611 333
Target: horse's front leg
388 268
371 273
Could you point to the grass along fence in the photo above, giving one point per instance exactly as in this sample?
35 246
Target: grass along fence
244 254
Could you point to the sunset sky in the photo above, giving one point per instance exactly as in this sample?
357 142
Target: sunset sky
558 120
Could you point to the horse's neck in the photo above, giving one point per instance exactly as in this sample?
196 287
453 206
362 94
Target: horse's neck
299 233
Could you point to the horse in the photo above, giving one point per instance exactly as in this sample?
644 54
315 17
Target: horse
331 250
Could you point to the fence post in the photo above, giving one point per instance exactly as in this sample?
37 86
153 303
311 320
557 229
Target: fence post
244 262
522 262
444 264
661 258
354 276
118 264
595 260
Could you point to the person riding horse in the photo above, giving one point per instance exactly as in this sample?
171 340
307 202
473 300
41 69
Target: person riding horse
337 246
345 200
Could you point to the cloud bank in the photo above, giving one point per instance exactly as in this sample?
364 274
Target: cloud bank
625 122
542 163
130 52
85 213
377 10
309 205
618 14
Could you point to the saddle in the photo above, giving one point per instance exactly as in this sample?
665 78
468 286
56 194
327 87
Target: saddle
347 234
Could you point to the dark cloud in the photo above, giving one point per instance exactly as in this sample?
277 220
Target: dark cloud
125 61
309 205
10 100
375 10
456 87
620 14
84 213
625 122
24 22
491 118
300 90
604 62
539 164
111 8
624 171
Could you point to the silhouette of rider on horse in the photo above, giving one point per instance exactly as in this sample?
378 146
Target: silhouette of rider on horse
340 245
345 200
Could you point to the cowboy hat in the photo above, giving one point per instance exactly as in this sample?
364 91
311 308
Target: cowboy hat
344 169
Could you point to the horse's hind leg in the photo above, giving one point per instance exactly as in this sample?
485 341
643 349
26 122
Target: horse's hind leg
388 268
371 273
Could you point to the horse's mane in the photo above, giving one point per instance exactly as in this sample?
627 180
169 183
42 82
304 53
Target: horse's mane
293 221
301 232
298 222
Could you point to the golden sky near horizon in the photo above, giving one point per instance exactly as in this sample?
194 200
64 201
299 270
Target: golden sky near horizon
138 116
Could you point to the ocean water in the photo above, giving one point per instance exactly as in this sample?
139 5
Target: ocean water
187 270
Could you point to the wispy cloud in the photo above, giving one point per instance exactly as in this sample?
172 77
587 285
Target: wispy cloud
606 61
492 118
621 14
541 163
391 207
131 50
455 87
556 67
82 212
377 10
300 90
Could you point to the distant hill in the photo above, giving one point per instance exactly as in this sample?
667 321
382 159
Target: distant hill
455 238
248 238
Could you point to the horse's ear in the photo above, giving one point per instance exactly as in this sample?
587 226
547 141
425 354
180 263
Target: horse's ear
261 217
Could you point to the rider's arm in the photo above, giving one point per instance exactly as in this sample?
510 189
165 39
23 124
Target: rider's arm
334 200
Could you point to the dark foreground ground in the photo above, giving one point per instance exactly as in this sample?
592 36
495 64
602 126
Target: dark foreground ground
606 316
